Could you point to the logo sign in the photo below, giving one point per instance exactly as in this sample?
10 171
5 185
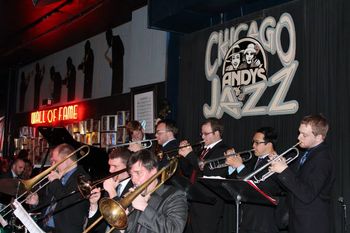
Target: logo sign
239 71
55 115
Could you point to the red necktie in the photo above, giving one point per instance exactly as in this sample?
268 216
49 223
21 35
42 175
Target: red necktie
201 158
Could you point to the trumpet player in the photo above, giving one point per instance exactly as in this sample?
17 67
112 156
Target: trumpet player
309 180
205 217
115 187
257 218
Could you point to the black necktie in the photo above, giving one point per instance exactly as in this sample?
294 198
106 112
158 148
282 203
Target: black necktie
258 162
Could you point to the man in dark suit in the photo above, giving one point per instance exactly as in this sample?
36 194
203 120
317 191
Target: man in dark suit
257 218
162 210
66 212
115 187
206 217
17 168
165 134
310 179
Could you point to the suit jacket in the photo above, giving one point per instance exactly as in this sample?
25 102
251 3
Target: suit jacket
206 207
255 217
70 212
217 151
101 227
166 213
309 188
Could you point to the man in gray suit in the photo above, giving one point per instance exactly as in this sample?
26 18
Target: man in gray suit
164 210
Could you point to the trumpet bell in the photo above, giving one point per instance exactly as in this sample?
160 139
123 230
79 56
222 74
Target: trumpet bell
114 213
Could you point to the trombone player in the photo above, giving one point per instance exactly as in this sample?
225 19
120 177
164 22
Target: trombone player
116 187
68 214
310 179
164 210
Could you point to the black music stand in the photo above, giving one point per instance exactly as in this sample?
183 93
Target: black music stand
238 191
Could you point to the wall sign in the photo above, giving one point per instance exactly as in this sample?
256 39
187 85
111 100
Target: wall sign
238 68
56 115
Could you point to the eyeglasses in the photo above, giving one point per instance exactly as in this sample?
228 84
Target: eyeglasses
257 142
205 134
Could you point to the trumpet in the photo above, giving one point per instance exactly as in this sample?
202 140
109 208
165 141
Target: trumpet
220 162
162 153
41 177
85 186
276 158
147 143
114 212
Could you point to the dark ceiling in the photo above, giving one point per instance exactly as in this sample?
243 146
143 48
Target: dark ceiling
30 32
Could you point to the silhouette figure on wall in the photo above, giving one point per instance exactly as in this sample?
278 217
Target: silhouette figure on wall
57 85
38 78
87 66
23 90
70 79
115 58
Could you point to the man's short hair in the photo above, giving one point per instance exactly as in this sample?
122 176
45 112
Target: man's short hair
318 123
170 125
270 135
132 126
120 152
146 157
65 149
216 125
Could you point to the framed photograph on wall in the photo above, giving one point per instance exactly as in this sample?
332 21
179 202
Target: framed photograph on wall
143 106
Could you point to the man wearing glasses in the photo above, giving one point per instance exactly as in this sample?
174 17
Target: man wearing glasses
257 218
205 217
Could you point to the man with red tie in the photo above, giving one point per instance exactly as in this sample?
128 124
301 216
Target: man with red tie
205 217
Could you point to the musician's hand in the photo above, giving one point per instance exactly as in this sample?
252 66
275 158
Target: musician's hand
278 165
135 147
95 196
234 161
141 202
185 150
201 165
53 176
32 199
110 186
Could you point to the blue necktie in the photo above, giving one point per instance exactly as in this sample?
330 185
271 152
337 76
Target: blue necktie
303 159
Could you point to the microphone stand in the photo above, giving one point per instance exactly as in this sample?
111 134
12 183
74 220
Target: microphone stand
344 213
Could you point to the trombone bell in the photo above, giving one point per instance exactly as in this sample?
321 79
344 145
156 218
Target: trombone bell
115 214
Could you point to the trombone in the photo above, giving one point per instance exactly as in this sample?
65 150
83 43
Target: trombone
85 186
114 212
276 158
38 179
220 162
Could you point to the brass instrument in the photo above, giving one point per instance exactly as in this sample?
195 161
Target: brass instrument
162 153
147 143
38 179
114 212
270 173
85 186
220 162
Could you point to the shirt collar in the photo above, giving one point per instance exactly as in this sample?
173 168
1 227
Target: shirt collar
210 146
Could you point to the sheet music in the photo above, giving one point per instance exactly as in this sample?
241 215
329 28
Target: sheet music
26 220
3 222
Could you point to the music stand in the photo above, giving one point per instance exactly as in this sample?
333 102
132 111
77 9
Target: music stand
238 191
